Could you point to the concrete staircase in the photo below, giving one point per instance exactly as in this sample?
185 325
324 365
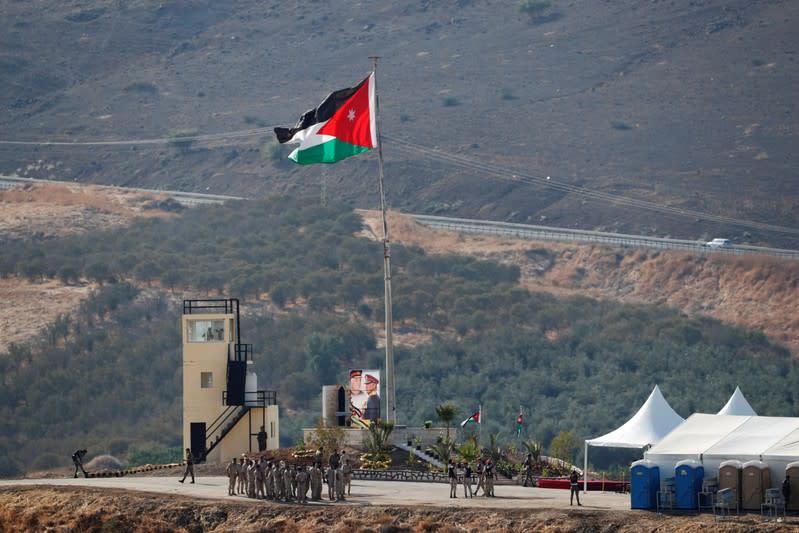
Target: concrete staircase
420 454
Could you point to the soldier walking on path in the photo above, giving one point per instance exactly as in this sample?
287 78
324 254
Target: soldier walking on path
189 466
77 460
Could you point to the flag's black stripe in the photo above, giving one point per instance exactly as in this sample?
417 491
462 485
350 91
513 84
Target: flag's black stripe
326 109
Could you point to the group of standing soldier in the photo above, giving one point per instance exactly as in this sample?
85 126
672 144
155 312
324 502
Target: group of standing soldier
280 481
461 474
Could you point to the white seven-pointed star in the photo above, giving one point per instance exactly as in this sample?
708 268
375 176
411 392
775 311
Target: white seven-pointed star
351 115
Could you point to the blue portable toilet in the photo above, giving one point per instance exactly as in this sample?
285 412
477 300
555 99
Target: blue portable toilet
644 484
688 476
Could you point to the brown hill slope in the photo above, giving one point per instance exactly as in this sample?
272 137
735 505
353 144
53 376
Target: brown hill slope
759 293
688 105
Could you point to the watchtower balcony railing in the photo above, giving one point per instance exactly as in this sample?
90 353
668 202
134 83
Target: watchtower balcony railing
260 398
240 352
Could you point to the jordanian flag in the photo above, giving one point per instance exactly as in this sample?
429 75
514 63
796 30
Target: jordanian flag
475 418
344 124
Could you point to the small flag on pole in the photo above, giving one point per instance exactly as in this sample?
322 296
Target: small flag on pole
475 418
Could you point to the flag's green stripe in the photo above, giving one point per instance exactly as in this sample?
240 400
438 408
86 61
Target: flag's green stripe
328 152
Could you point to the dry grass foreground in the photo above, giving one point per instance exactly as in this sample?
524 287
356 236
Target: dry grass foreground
759 293
95 510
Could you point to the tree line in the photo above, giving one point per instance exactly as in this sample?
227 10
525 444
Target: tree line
108 376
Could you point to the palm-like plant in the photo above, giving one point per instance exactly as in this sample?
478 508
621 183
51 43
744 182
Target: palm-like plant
442 449
469 451
446 413
534 448
377 436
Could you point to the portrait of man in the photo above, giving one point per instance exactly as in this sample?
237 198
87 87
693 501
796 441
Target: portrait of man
364 397
372 409
358 398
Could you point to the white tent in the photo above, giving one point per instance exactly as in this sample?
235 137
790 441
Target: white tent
653 421
737 405
712 439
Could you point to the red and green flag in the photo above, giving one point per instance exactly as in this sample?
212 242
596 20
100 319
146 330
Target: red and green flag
474 419
343 125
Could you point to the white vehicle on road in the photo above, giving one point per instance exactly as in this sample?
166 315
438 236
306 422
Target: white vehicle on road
719 243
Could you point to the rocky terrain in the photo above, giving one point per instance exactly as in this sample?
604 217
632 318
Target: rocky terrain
689 106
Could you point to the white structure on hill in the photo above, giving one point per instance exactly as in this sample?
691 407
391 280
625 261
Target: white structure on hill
653 421
737 405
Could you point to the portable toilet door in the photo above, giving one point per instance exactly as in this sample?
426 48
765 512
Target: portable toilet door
792 472
688 476
755 479
644 484
730 477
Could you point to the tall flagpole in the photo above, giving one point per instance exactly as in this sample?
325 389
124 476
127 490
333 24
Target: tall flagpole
391 414
480 426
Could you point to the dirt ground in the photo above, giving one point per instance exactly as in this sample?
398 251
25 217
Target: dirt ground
93 509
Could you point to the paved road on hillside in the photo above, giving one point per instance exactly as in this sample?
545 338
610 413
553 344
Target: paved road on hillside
363 493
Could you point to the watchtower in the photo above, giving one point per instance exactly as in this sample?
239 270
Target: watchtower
223 410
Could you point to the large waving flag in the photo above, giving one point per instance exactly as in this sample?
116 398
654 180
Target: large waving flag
474 419
344 124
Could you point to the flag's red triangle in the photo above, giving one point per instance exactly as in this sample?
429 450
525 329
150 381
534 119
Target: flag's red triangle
352 122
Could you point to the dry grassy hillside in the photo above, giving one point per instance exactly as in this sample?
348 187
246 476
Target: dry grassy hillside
760 293
754 292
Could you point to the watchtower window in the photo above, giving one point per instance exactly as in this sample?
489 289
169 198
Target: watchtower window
206 331
206 380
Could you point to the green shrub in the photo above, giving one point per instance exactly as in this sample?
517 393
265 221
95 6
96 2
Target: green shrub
144 87
534 8
156 456
273 151
183 139
450 101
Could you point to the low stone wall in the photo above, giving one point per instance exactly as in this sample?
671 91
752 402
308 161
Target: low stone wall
401 434
400 475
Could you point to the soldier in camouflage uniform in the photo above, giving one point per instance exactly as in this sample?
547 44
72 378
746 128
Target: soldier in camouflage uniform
302 485
316 483
232 471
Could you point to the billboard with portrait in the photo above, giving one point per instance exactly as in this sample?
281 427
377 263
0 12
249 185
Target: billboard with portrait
364 397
